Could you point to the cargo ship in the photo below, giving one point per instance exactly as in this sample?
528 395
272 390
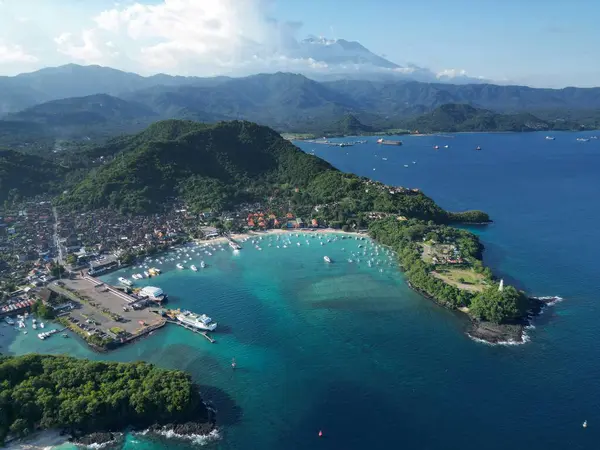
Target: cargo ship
386 142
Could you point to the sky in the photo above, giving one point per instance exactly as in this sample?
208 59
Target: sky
542 43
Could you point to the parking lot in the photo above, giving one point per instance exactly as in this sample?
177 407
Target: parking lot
99 310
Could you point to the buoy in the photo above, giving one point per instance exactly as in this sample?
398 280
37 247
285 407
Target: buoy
320 433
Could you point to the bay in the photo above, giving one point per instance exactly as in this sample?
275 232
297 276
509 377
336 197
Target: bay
352 351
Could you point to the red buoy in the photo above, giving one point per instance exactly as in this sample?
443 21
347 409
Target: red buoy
320 433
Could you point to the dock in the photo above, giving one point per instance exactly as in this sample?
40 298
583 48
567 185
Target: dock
192 329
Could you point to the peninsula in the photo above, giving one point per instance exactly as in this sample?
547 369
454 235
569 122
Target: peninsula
168 183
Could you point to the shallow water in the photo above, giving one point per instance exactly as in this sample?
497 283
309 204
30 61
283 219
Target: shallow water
352 351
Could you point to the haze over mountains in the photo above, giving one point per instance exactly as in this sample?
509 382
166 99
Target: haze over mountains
74 101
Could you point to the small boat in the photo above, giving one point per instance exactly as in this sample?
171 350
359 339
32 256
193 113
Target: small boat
478 148
202 264
233 364
179 266
65 335
585 424
436 147
550 138
582 140
42 325
327 259
125 281
34 326
194 268
405 165
446 146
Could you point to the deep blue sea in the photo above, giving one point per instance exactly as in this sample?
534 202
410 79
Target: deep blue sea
348 349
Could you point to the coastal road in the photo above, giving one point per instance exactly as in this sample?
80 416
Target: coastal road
56 241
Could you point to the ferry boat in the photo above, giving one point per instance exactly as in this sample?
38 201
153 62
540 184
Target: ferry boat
327 259
125 281
550 138
179 266
201 322
194 268
387 142
9 321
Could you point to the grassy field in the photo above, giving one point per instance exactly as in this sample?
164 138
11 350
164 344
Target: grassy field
462 278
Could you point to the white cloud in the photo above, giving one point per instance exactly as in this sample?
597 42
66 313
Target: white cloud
10 54
88 49
199 37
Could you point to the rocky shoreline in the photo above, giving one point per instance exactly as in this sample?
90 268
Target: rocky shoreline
506 334
512 333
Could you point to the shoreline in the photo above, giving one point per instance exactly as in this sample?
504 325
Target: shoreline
275 231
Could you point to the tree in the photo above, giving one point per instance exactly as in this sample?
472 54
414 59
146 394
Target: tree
71 259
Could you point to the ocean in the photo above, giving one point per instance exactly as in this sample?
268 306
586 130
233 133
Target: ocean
350 350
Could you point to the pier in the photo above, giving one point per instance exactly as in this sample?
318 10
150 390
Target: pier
192 329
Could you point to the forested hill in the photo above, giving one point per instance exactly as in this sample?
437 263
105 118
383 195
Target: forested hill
81 396
218 165
461 117
24 175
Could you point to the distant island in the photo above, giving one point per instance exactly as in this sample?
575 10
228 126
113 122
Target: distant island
84 398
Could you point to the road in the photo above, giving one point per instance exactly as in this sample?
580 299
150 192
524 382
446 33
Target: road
56 241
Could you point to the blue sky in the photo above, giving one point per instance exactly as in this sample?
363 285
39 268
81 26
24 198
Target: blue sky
540 43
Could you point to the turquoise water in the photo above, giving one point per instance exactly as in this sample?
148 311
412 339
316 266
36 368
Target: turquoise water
352 351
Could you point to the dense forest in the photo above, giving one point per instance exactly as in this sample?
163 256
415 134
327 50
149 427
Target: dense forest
81 396
405 238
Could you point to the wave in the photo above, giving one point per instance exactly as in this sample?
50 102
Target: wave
524 339
198 439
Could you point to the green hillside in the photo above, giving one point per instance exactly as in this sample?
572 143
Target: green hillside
461 117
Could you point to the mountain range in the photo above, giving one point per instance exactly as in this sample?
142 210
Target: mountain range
90 102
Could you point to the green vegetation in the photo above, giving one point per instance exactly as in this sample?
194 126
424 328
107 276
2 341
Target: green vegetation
499 306
462 117
26 176
215 166
45 392
42 311
405 237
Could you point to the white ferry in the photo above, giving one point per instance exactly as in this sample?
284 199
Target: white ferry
125 281
194 268
201 322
